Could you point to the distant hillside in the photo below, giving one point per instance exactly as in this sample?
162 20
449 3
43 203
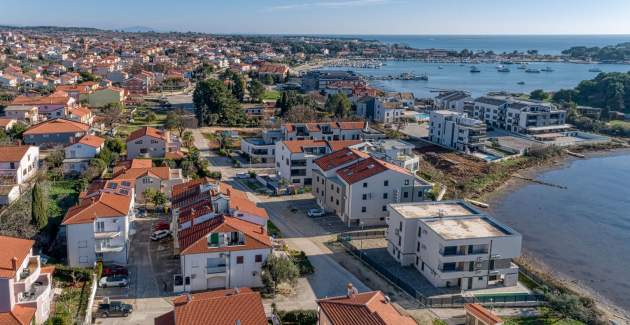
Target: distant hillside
611 53
138 29
51 28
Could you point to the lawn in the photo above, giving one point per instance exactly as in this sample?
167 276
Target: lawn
63 195
540 321
271 95
273 230
72 303
623 124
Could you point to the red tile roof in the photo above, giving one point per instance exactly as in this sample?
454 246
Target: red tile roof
106 205
20 315
317 126
369 308
190 188
40 100
57 126
148 131
12 153
367 168
12 248
132 170
297 146
222 307
92 141
241 202
483 314
5 121
194 240
339 158
340 144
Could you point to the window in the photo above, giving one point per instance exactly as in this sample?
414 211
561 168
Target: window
82 243
239 260
384 208
100 226
363 209
386 183
258 258
419 232
364 184
418 247
385 196
83 259
405 194
337 202
406 182
364 197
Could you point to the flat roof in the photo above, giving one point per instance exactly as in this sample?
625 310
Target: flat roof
464 228
433 209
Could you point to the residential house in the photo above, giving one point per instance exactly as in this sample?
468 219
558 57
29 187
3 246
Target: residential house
55 132
105 96
98 227
452 100
453 245
151 142
142 173
81 114
395 151
294 158
476 314
137 86
7 123
26 289
457 131
222 252
277 71
357 187
8 81
22 113
367 308
18 164
50 106
78 155
323 131
240 306
320 79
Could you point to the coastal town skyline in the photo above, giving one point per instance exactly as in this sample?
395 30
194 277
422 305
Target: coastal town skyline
377 17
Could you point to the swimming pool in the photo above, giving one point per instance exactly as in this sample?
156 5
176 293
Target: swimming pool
422 117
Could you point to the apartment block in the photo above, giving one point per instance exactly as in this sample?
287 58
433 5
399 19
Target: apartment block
520 116
453 245
457 131
330 131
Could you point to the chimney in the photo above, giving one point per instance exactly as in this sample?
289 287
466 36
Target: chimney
237 290
351 290
188 297
14 265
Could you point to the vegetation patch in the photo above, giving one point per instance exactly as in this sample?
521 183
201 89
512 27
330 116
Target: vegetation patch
301 260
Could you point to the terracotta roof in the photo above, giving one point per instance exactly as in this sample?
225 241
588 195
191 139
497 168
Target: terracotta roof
317 126
367 168
148 131
12 248
106 205
5 121
163 173
240 201
194 211
141 163
194 240
175 155
80 111
40 100
20 315
340 144
12 153
351 125
369 308
297 146
221 307
339 158
190 188
74 88
483 314
92 141
57 126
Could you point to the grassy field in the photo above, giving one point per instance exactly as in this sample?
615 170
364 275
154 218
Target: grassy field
540 321
271 95
623 124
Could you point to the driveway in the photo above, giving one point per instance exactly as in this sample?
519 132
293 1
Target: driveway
146 272
302 233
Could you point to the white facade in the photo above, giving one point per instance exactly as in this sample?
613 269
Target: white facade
451 244
146 146
296 167
18 170
457 131
106 238
388 110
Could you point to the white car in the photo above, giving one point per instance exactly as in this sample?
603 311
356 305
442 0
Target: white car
242 175
160 234
113 281
316 212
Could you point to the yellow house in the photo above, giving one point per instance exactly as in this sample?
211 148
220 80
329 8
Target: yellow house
104 96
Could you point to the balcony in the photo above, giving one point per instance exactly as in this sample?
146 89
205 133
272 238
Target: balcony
106 234
39 288
108 248
215 269
31 270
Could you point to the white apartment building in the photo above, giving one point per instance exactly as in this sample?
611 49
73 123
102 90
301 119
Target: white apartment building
151 143
18 164
330 131
222 252
452 244
358 187
78 155
262 151
453 100
98 227
28 114
294 158
25 286
520 116
457 131
395 151
388 110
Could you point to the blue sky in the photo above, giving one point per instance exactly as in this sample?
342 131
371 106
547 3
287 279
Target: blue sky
331 16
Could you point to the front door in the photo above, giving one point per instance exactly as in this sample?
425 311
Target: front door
469 283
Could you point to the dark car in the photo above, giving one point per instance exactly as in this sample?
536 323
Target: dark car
114 269
114 308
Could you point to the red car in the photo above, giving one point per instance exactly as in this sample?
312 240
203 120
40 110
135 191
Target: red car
114 269
161 226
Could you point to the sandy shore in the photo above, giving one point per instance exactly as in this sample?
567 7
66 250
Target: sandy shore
608 307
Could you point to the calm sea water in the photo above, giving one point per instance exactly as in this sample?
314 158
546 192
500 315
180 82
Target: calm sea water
545 44
583 231
456 76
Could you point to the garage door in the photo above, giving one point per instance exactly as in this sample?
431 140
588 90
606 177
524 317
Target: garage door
216 282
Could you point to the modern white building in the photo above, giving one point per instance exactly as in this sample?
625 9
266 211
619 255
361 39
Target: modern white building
453 245
222 252
25 286
98 227
452 100
358 187
78 155
395 151
388 110
261 151
330 131
18 164
457 131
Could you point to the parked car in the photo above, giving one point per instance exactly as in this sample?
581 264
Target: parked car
113 281
161 226
114 269
160 234
114 308
242 175
316 213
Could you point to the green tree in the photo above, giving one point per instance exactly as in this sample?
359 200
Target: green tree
175 121
238 87
256 90
39 207
88 76
150 117
15 132
268 79
338 105
187 139
115 145
277 270
538 94
214 104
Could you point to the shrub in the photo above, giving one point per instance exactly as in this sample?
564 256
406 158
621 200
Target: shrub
298 317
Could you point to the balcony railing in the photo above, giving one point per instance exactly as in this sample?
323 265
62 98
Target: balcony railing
214 269
109 248
38 289
30 269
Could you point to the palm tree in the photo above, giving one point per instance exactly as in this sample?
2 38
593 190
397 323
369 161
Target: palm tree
187 139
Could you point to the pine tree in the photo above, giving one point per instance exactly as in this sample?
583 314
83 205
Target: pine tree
39 213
